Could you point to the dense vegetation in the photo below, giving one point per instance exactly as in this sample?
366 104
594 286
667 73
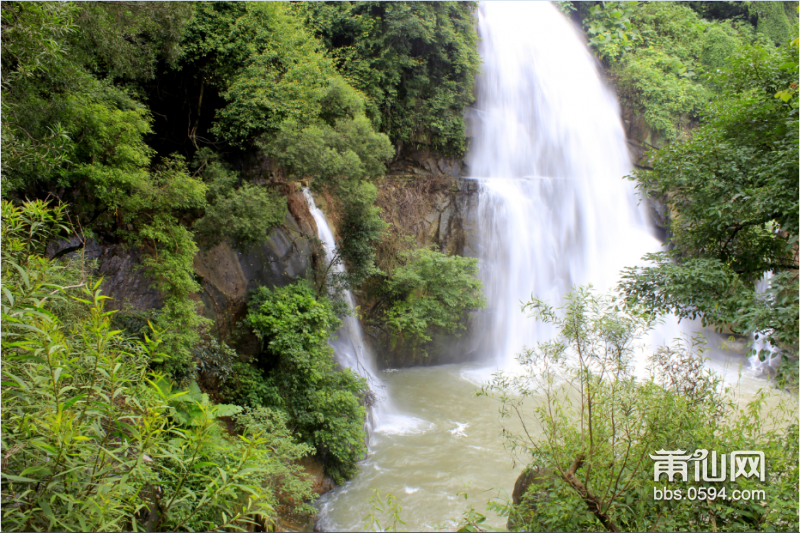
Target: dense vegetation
414 60
718 81
590 425
95 441
658 54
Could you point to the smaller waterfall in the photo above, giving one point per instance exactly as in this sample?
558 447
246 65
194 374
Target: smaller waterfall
349 347
772 357
352 352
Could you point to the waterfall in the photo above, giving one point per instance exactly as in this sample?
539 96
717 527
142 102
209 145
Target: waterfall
352 352
348 344
550 154
772 356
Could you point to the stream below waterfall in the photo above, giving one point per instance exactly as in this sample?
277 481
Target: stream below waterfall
549 154
449 441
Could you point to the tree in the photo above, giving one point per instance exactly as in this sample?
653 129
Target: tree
732 191
430 293
415 61
589 427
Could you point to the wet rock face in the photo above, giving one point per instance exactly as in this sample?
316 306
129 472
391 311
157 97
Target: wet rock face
227 275
641 139
422 198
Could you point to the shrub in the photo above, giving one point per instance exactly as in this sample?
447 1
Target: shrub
323 404
431 293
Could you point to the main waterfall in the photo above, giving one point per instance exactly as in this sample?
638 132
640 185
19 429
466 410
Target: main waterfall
551 154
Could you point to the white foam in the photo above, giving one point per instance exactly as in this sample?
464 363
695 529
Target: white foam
458 431
403 425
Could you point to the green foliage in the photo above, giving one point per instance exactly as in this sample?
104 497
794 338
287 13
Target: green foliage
126 40
384 515
189 407
68 130
776 20
610 30
431 293
323 404
718 45
348 149
471 520
659 86
87 443
214 360
33 35
361 227
281 89
266 65
169 262
733 193
565 6
590 425
658 54
659 78
415 61
249 387
61 122
245 216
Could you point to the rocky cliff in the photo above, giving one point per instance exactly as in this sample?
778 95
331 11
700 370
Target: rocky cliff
225 274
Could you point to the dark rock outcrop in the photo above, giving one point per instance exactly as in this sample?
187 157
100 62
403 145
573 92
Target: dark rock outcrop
225 274
525 497
124 277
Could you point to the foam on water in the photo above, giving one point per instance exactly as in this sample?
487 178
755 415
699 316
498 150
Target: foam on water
395 424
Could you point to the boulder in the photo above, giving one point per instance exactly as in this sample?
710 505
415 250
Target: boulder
522 504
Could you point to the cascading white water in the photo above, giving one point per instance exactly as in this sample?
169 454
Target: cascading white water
550 153
350 349
772 356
